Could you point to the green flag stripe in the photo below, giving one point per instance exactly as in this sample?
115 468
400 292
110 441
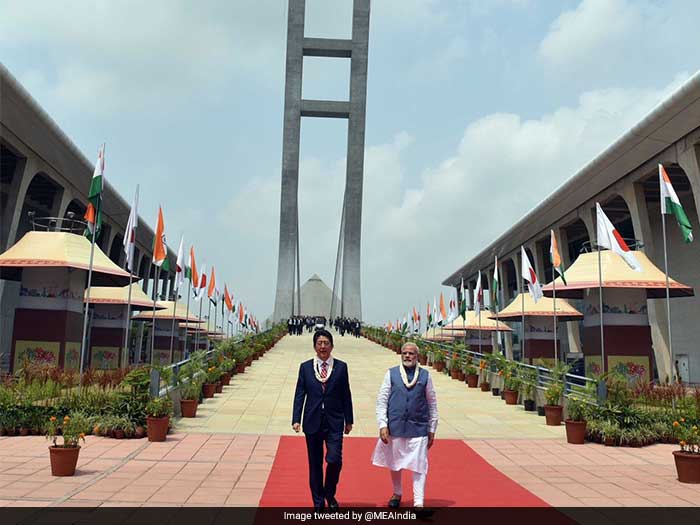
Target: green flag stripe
682 219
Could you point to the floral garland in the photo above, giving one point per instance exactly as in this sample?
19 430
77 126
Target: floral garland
404 377
317 370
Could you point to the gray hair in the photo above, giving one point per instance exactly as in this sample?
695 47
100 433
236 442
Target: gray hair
409 343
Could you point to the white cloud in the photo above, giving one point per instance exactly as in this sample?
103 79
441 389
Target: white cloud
137 55
593 28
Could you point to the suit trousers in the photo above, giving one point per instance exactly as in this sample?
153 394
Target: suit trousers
334 459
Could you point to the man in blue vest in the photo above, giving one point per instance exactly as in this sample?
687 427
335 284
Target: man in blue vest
323 392
407 417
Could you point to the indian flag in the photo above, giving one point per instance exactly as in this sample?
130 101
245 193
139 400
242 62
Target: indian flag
160 248
180 265
495 284
191 272
93 214
555 256
443 313
478 296
462 301
671 205
212 286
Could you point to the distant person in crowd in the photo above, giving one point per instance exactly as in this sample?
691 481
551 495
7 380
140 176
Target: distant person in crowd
323 394
407 416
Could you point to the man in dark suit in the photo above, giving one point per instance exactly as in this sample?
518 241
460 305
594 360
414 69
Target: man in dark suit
323 392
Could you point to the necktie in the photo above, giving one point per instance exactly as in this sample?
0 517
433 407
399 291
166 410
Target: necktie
324 371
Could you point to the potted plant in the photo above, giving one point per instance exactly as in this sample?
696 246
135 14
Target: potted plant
439 360
189 397
511 387
576 409
423 356
484 375
687 459
122 427
158 412
209 387
64 457
610 433
552 408
528 383
471 374
455 366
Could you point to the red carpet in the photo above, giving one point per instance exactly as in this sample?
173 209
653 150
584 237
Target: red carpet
458 477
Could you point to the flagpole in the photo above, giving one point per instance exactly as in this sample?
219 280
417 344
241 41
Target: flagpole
600 306
153 319
87 293
172 328
479 328
187 317
196 337
668 304
208 318
522 322
127 325
554 307
216 311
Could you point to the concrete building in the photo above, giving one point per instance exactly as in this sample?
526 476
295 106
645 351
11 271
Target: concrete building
347 280
42 171
624 179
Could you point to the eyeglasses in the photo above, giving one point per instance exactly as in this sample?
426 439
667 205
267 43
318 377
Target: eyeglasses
323 343
412 354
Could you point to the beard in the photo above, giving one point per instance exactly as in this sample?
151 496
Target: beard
409 365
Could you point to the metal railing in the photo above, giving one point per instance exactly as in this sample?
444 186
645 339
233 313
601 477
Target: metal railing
572 383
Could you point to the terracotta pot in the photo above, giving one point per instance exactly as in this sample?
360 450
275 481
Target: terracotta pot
119 434
609 442
226 379
219 387
552 414
575 432
188 407
208 389
63 460
157 428
439 366
511 397
485 386
240 368
473 381
3 431
140 432
529 405
461 376
23 431
423 360
454 373
687 466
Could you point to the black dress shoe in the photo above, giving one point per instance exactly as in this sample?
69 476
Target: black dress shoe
332 503
394 502
319 509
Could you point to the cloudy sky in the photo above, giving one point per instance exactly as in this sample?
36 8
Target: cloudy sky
476 110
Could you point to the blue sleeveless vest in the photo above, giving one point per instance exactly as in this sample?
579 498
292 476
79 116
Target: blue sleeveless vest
408 408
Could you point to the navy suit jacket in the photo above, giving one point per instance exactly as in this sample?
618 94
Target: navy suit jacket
336 400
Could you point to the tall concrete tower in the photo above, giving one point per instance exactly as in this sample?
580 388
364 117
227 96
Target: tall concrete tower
347 278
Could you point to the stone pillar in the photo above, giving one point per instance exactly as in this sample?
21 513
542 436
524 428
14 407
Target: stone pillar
351 296
289 213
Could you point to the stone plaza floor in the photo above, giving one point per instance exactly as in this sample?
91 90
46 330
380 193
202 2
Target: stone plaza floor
225 455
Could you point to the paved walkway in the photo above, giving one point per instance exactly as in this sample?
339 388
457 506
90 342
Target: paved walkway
260 401
224 456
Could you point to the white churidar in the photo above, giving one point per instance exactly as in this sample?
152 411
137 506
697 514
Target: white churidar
401 452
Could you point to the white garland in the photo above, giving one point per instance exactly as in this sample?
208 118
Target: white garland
404 377
317 371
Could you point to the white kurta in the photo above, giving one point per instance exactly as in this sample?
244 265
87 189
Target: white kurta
402 452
